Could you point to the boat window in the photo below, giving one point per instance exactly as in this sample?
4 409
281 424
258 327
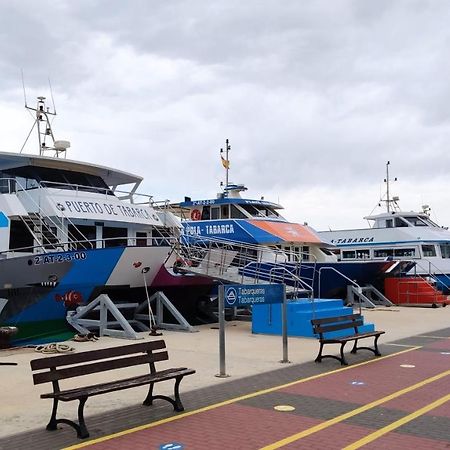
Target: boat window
416 221
20 237
114 237
225 211
428 250
215 211
305 253
399 222
383 253
326 251
6 184
82 236
404 252
206 213
62 179
141 239
388 223
236 213
348 254
260 210
445 250
363 254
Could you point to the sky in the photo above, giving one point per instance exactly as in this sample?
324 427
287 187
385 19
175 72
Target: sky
314 96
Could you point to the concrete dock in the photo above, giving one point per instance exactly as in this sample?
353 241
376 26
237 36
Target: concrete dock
252 361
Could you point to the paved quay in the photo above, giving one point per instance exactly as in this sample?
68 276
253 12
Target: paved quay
334 407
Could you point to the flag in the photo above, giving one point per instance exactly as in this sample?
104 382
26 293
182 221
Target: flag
225 162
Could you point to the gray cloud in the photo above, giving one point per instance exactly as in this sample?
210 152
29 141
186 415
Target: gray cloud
314 96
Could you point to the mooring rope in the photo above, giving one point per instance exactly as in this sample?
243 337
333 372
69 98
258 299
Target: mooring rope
54 348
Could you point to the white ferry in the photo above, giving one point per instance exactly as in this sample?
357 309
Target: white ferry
68 231
399 235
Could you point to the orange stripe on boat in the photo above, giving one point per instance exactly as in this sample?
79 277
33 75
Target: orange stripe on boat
290 232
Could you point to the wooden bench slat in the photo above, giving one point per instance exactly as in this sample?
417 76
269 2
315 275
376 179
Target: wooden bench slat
344 318
93 355
351 337
338 326
103 388
102 366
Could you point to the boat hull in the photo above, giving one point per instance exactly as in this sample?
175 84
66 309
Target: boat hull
40 289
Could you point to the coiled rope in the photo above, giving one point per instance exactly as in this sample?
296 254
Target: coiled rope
54 348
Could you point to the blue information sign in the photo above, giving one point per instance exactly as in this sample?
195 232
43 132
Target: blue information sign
252 294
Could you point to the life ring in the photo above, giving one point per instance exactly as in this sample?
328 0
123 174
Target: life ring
196 214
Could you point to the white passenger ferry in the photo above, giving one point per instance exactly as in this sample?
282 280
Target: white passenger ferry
70 230
399 235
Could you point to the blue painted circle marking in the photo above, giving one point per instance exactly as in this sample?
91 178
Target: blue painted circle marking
231 295
171 446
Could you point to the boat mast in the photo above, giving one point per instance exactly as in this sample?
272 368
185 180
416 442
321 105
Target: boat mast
226 161
42 123
389 200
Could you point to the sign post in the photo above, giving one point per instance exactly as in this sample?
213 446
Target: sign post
232 295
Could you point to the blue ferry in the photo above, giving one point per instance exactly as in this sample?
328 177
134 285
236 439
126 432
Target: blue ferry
232 218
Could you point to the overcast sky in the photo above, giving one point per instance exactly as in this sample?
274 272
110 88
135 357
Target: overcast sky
315 96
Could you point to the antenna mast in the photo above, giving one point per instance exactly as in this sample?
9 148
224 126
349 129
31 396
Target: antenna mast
389 201
226 161
42 115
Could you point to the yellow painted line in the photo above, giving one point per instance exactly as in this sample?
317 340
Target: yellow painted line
432 337
394 425
354 412
401 345
230 401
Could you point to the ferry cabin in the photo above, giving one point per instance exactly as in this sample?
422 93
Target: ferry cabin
231 217
54 204
396 235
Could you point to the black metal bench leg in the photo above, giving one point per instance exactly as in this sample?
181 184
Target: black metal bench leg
82 432
343 360
178 405
319 356
355 347
149 399
377 352
52 425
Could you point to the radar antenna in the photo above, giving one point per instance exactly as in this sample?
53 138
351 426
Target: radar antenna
42 123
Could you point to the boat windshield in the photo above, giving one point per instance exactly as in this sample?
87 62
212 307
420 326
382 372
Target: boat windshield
260 211
29 177
417 221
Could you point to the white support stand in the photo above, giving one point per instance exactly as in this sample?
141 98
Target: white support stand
367 296
104 305
162 302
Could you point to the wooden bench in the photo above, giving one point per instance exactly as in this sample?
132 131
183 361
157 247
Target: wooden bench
55 368
323 326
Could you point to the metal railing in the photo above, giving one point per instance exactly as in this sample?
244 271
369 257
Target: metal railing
242 263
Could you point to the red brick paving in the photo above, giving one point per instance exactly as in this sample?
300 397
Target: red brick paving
388 377
398 441
239 426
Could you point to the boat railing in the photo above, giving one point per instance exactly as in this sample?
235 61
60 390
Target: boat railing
80 245
339 273
240 262
432 271
132 196
37 222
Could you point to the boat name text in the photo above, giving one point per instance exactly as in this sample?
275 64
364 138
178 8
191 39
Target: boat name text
210 229
351 240
59 258
105 208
